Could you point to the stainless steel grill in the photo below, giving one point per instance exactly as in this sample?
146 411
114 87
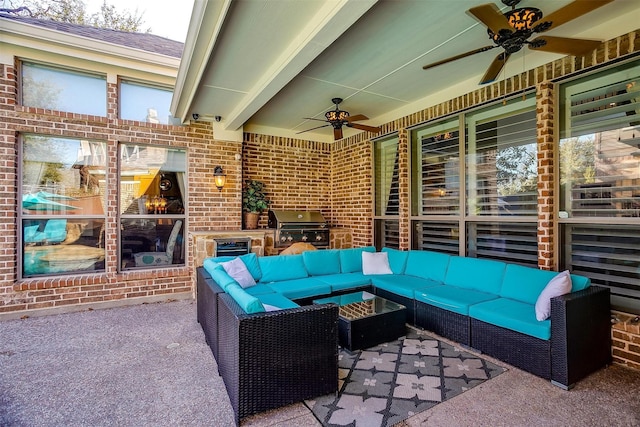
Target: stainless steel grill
299 226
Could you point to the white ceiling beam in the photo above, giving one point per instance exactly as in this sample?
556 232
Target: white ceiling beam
333 19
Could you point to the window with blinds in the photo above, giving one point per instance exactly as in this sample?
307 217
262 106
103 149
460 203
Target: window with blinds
387 195
600 181
510 242
502 170
436 189
436 236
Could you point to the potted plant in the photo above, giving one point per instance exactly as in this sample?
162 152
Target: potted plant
254 201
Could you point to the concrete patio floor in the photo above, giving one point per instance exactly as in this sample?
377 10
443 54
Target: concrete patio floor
149 365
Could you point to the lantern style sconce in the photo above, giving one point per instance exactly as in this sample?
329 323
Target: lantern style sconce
219 177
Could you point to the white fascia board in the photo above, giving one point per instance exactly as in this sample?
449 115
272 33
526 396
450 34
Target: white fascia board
36 37
205 25
331 21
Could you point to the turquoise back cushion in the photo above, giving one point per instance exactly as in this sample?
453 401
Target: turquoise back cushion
397 259
247 302
250 260
524 283
319 263
427 264
473 273
351 259
282 267
218 273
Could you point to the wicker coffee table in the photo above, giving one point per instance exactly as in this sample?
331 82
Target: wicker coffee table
366 320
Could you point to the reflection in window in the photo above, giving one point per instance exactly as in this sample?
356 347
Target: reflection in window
600 181
387 194
63 90
62 208
436 161
145 103
152 206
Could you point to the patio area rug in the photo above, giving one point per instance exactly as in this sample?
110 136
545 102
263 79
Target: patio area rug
384 385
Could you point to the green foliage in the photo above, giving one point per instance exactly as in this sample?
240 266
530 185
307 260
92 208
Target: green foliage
577 160
253 197
516 170
75 12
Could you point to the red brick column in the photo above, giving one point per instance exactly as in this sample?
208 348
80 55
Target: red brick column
404 186
545 137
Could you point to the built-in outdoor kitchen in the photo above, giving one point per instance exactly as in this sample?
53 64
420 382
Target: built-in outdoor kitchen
285 227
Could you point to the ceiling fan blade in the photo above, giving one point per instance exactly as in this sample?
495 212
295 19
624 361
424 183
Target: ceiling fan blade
312 118
373 129
337 133
490 15
462 55
356 118
495 68
571 11
318 127
567 46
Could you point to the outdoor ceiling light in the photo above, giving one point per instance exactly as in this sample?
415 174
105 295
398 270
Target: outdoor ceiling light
219 177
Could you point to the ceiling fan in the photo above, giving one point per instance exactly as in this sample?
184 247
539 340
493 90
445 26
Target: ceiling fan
337 118
511 32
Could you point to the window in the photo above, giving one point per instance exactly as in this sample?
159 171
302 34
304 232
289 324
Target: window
495 214
63 90
600 181
63 198
387 196
152 206
145 102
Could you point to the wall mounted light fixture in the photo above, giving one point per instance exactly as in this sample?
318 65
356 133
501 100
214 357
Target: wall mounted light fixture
219 177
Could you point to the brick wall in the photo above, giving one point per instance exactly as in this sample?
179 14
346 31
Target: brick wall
296 173
625 335
208 208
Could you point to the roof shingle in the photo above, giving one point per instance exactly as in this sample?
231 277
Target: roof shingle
143 41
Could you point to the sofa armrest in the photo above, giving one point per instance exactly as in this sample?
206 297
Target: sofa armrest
580 334
268 360
207 307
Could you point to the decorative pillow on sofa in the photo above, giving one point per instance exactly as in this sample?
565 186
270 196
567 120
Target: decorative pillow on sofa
218 273
239 272
559 285
375 263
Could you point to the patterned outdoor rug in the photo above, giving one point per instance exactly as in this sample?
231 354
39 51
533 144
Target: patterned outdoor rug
384 385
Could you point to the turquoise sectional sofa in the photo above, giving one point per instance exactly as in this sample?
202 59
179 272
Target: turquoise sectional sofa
485 304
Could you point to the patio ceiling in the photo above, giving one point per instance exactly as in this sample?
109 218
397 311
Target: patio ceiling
265 65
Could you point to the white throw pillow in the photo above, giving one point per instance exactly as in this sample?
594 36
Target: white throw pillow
375 263
239 272
268 307
559 285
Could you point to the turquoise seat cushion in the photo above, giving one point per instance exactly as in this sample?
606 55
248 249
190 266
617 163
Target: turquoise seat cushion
452 299
343 281
249 303
402 284
397 259
351 259
250 260
218 273
482 275
282 267
320 263
260 289
301 288
427 264
277 300
510 314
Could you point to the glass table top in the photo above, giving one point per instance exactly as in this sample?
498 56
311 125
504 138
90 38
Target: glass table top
359 305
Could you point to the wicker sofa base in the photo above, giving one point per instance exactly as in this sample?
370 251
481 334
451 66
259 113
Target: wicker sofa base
522 351
445 323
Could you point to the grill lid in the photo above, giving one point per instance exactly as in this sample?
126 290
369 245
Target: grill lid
293 218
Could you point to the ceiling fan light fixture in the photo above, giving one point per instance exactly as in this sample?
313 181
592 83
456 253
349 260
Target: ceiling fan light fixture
336 115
